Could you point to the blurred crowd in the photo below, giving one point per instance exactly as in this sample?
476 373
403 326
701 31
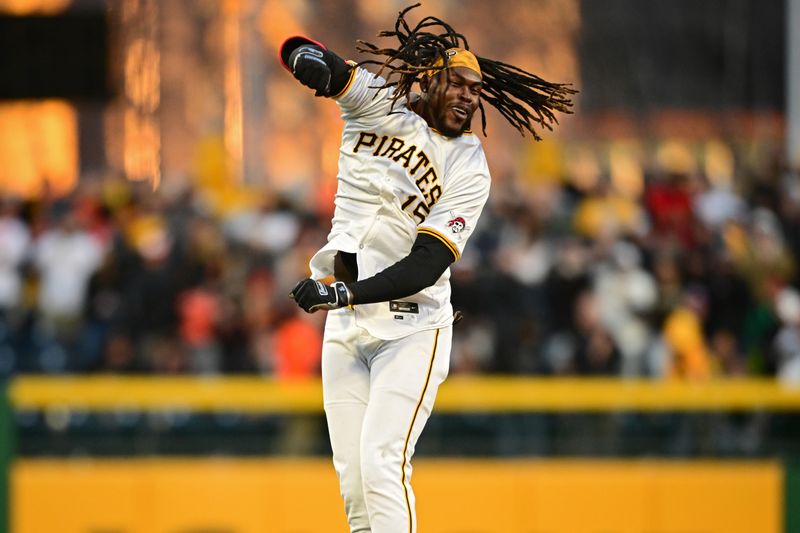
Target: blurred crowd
692 278
120 278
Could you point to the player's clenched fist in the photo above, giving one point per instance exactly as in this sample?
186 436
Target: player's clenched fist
309 67
313 295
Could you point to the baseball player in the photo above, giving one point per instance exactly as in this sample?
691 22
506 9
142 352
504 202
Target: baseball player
412 182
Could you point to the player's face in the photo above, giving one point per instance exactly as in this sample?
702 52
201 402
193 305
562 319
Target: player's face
454 96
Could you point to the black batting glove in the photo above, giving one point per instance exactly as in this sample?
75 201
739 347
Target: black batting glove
309 67
313 295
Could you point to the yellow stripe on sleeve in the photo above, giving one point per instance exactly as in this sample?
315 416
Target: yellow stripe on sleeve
445 241
349 81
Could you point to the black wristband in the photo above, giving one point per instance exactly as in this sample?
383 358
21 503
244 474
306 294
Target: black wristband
342 294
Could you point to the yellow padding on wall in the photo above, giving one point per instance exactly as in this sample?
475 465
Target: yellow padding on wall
457 394
454 496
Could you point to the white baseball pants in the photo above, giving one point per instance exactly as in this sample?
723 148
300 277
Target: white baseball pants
378 396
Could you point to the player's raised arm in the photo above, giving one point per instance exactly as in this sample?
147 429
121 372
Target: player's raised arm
315 66
359 93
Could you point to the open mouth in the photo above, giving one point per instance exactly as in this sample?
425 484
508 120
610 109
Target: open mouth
460 112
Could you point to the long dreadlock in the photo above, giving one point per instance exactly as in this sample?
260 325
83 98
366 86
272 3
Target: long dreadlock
521 97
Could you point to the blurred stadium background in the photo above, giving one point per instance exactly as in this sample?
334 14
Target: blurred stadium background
630 357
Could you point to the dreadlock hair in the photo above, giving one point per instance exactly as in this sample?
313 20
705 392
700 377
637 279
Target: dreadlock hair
521 97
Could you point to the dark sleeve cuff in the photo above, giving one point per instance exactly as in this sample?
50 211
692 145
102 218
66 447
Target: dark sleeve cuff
342 72
421 268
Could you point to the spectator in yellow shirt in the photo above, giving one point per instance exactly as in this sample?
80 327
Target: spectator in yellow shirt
690 356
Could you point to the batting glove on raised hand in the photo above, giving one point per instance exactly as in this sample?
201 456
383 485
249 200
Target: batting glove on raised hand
313 295
309 67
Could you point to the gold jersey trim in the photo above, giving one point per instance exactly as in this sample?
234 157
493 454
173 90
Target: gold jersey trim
349 81
452 247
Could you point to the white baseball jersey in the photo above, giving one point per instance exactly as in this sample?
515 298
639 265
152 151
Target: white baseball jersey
399 177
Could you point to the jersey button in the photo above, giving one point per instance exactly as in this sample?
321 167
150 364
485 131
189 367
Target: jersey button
361 246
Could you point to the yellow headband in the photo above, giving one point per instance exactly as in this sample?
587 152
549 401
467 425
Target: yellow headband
458 57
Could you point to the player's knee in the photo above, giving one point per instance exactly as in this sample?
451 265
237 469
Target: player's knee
379 464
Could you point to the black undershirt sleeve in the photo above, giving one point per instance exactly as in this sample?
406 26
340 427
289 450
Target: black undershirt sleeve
421 268
340 72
